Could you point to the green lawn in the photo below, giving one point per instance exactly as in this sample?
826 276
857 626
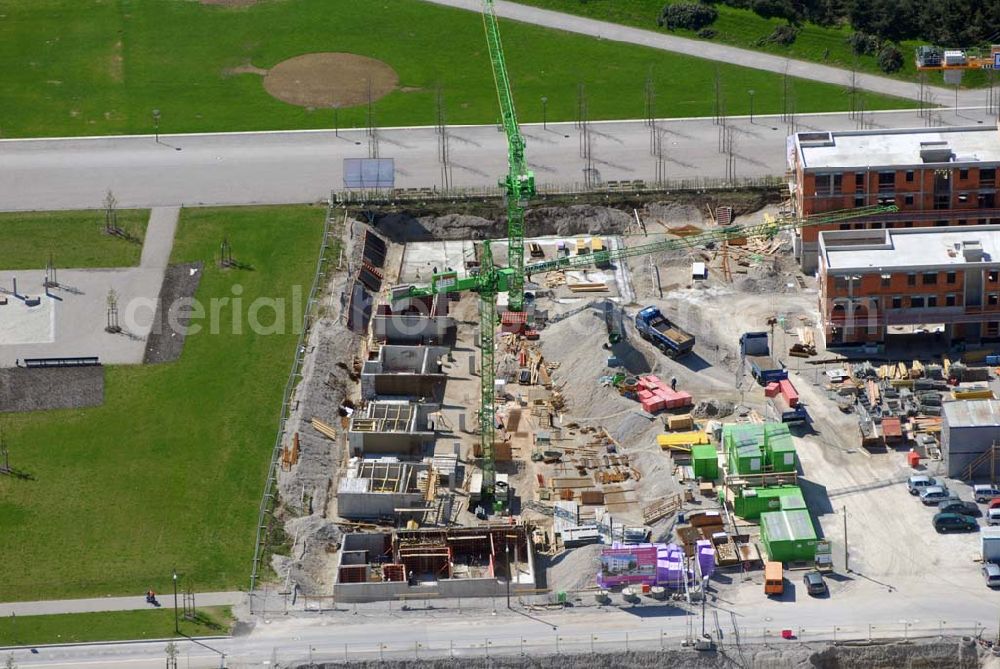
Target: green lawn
73 238
89 68
169 471
744 28
111 626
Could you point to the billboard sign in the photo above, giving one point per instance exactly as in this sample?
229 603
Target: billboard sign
627 565
369 173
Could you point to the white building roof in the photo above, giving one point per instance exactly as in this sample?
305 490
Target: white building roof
894 148
909 248
972 413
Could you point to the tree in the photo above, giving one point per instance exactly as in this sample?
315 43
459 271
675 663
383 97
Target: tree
890 59
687 15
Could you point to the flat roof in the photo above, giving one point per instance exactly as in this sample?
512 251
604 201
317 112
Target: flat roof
794 525
895 148
972 413
905 248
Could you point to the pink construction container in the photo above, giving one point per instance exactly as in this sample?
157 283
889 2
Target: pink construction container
772 390
653 404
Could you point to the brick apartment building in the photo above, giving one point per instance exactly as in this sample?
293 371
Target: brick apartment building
874 283
935 176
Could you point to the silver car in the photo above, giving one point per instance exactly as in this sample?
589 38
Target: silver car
991 573
918 482
934 494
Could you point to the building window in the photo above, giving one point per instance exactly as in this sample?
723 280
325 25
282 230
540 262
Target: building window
845 226
911 279
886 180
907 199
949 300
940 224
987 176
917 301
886 280
840 283
992 328
932 300
859 200
993 299
909 176
828 184
963 173
929 278
962 221
950 277
993 276
897 302
908 224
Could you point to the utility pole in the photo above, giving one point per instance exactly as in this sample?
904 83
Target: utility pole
177 626
847 568
156 124
545 105
751 92
507 551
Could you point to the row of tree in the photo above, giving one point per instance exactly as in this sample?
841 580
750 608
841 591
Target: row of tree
950 23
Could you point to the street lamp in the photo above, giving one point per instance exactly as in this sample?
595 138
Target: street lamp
156 124
751 92
177 627
336 119
506 550
545 103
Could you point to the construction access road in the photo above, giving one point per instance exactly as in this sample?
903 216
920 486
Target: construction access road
305 166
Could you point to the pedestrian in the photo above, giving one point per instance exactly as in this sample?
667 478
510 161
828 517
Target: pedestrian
673 383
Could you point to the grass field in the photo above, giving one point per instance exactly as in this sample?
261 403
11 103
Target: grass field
111 626
89 68
74 238
169 471
744 28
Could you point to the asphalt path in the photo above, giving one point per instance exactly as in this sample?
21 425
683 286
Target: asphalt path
305 166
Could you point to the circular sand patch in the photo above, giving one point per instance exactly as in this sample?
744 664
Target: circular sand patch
328 79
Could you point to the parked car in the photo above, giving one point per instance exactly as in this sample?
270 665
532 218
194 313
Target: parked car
954 522
993 516
815 585
918 482
994 503
984 492
934 494
960 506
991 574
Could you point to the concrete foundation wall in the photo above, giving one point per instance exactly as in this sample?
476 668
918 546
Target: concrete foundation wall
369 506
404 329
389 443
448 589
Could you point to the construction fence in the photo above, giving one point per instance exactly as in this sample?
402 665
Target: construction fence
636 186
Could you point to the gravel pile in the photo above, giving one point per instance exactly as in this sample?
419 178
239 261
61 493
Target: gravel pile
179 283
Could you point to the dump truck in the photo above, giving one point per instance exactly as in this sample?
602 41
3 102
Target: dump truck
654 327
756 352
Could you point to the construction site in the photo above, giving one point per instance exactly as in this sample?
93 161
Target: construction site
654 397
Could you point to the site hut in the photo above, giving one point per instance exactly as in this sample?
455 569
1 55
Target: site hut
937 177
970 430
750 503
705 462
435 563
788 536
876 284
744 448
779 448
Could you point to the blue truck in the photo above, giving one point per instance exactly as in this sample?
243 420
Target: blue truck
756 352
654 327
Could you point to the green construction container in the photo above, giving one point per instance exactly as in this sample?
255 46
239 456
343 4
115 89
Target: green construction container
788 536
705 462
793 503
752 502
779 448
744 448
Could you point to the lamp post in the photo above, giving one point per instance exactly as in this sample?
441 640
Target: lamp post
336 119
545 104
506 550
156 124
751 92
177 627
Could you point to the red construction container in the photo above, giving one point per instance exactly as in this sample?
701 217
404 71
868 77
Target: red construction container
645 395
791 395
652 405
913 459
772 390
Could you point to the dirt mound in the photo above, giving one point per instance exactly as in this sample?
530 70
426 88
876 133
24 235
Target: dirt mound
328 79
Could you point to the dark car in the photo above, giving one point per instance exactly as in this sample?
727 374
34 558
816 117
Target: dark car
960 507
954 522
815 585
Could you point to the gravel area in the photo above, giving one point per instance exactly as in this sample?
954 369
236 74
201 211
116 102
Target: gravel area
179 283
23 389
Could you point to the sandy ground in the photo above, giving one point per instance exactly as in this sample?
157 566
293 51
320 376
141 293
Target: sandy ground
330 79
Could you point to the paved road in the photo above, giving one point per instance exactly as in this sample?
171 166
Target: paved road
710 50
286 167
112 604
